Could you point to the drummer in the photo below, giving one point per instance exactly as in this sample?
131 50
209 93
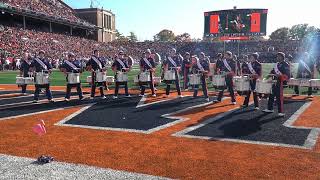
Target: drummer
93 65
25 70
281 73
172 62
41 64
120 65
306 71
187 64
71 66
148 65
201 66
252 68
227 66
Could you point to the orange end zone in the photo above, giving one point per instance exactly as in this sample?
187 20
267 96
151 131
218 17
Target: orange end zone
160 153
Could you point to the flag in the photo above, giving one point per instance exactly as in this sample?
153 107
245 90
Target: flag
40 128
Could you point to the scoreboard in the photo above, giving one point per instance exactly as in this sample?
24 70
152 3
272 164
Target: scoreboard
235 23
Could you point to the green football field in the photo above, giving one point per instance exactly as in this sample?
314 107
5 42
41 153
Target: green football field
58 79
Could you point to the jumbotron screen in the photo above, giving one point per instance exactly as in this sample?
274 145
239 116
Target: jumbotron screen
235 22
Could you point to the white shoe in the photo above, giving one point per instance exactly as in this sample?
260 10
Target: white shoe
256 108
103 97
154 95
207 99
180 96
268 111
66 99
24 94
141 95
129 96
234 103
91 98
115 97
35 101
281 114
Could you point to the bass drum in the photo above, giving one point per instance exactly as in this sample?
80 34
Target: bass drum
144 77
241 83
42 78
195 79
122 77
73 78
101 77
218 81
170 75
264 86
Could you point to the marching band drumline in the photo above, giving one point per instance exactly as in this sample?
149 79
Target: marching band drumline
245 78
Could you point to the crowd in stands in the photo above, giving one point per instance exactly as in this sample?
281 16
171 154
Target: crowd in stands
14 41
51 8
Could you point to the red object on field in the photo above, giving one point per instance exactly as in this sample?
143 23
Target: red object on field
40 128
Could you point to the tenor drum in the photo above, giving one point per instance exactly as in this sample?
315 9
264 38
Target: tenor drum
170 75
42 78
73 78
294 82
218 80
315 83
305 83
241 84
101 77
264 86
195 79
122 77
20 80
29 80
144 77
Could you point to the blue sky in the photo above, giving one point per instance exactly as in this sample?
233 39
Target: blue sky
147 17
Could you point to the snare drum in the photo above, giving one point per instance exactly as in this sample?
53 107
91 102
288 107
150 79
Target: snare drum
101 76
315 83
242 83
144 77
73 78
293 82
122 77
218 80
20 80
42 78
264 86
170 75
195 79
29 80
305 83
